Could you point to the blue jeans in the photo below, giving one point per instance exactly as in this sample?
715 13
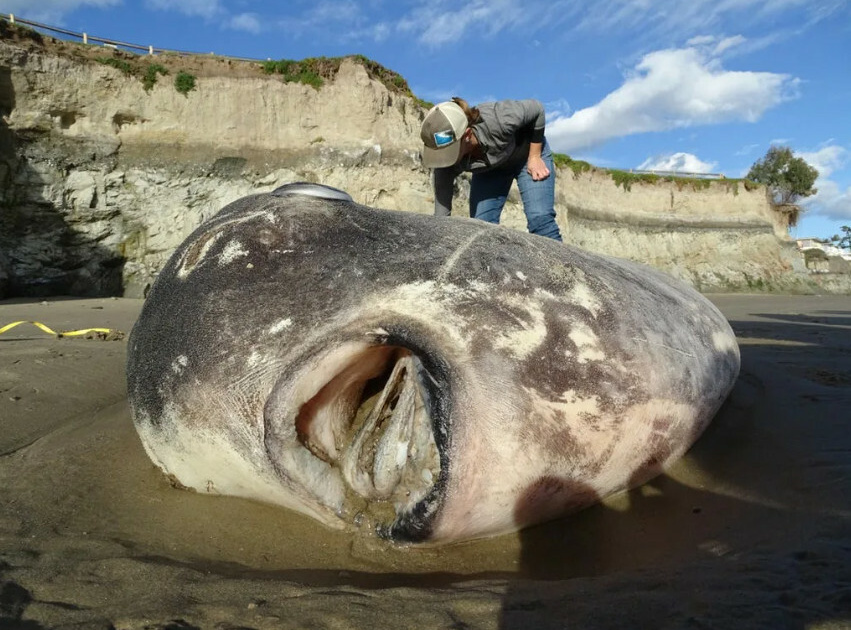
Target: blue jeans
489 190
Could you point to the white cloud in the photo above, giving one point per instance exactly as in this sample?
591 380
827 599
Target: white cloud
645 22
558 108
335 11
701 40
681 162
201 8
728 43
380 32
51 12
657 19
339 19
671 89
728 47
748 149
248 22
446 23
825 160
441 23
830 200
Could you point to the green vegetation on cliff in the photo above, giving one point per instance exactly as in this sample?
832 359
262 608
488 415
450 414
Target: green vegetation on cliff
184 82
118 64
149 79
307 71
565 161
148 73
314 71
626 179
788 179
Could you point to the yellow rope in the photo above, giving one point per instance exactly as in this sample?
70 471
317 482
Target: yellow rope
50 331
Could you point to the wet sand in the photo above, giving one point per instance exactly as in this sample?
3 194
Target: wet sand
752 529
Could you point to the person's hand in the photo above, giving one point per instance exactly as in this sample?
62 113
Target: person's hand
537 168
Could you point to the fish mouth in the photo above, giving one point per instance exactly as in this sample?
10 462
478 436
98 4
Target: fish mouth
363 430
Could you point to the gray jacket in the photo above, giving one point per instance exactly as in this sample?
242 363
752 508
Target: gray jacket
504 133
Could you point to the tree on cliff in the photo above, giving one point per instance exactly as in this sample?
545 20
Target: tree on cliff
788 179
843 241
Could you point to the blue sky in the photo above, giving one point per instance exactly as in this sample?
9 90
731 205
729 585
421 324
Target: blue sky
702 86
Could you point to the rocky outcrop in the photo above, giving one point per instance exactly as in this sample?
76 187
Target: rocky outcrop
102 179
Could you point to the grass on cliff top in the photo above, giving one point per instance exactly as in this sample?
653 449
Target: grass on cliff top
626 179
565 161
148 74
184 82
20 32
314 71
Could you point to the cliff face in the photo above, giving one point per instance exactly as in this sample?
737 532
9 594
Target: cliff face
719 238
101 179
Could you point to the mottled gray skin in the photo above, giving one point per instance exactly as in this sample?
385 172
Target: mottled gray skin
548 377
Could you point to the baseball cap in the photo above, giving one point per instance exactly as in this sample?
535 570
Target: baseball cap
441 133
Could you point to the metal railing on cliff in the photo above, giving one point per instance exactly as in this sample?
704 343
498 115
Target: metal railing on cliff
112 43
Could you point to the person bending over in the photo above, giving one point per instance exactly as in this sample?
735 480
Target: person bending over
498 143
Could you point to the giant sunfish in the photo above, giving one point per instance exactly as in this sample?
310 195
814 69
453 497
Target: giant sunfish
422 378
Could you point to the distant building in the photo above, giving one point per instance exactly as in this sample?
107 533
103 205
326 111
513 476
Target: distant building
809 243
823 257
830 250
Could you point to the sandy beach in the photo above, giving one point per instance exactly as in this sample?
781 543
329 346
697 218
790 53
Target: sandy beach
752 529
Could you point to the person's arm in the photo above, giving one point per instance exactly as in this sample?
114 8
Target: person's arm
444 180
534 164
528 115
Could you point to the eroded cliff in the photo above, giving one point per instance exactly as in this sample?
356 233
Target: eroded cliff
102 178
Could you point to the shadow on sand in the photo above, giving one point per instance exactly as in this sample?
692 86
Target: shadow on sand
41 252
751 529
